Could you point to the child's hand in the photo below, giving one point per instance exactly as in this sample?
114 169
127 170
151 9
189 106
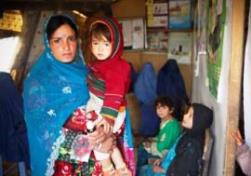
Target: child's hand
157 162
97 137
107 127
107 145
147 144
238 138
158 169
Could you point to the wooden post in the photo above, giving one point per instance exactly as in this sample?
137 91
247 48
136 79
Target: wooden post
234 89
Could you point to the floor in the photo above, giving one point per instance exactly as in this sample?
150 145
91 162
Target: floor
10 169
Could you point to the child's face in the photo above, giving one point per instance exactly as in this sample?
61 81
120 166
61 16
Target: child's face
101 48
163 111
187 121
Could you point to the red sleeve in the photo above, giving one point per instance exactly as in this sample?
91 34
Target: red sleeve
117 82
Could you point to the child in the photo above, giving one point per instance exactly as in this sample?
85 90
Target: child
243 154
185 157
108 82
168 133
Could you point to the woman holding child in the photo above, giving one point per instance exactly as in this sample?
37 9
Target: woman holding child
55 91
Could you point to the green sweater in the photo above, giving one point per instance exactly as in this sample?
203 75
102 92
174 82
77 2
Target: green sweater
169 132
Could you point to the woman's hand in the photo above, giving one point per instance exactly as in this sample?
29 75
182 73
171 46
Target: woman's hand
238 138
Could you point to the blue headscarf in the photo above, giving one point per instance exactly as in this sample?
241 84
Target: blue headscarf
52 91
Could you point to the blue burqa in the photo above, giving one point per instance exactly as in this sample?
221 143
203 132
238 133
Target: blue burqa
52 91
145 91
170 83
13 137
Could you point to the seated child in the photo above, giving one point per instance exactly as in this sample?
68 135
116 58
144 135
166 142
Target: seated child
243 154
169 130
185 157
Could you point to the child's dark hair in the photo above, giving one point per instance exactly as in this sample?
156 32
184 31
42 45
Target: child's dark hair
58 20
165 101
99 29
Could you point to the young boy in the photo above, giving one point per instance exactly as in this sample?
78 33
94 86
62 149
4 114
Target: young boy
169 131
185 157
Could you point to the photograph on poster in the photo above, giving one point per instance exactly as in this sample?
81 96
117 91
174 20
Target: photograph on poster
180 14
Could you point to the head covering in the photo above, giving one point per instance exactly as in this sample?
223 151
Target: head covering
52 91
114 71
202 119
116 40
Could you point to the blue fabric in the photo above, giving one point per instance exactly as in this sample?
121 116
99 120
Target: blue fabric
145 86
145 91
147 170
150 122
170 83
52 91
127 135
13 137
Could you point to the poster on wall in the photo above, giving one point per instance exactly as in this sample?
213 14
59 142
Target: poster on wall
180 14
127 33
216 22
180 46
157 40
157 14
134 33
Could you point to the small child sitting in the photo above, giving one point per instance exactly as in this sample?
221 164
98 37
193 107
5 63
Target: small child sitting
185 157
169 130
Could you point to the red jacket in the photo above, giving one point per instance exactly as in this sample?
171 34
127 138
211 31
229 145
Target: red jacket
110 79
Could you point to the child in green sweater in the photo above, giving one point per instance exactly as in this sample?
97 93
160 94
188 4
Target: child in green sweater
169 131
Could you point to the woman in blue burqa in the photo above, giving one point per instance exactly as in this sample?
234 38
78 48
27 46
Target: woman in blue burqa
54 89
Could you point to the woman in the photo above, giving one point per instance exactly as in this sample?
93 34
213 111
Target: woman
55 88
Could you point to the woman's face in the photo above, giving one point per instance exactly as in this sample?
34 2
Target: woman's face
101 48
187 121
63 44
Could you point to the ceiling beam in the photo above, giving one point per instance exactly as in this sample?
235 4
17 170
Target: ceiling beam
86 6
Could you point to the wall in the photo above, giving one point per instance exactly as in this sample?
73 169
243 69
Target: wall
199 88
138 58
200 93
129 8
133 9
